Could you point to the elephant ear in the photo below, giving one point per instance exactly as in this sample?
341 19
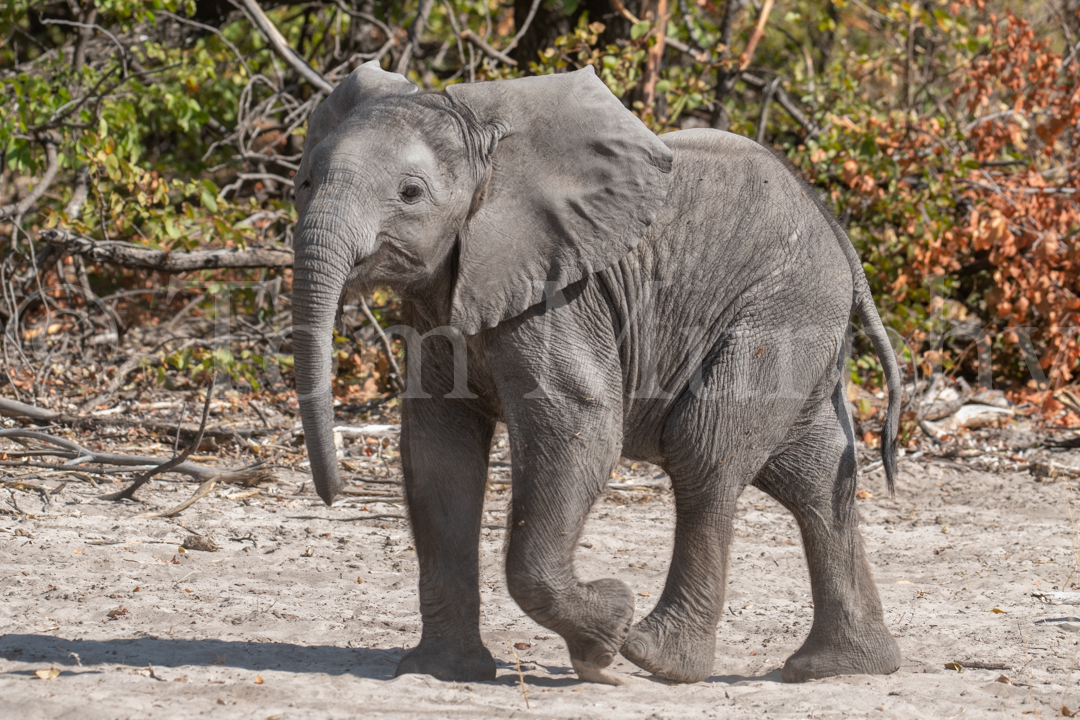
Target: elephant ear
365 83
575 180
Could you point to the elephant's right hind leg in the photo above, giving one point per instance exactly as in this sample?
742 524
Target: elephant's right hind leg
815 480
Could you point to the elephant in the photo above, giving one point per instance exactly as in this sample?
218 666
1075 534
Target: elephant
606 293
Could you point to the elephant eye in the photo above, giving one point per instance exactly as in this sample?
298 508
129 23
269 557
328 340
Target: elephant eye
306 184
411 192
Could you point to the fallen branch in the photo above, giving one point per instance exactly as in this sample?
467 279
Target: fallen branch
210 485
115 384
78 456
129 491
44 416
135 256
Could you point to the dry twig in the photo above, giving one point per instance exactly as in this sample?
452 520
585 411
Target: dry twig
129 491
491 52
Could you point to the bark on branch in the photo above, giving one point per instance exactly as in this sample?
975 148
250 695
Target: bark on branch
412 44
784 100
281 47
491 52
654 57
134 256
17 210
759 32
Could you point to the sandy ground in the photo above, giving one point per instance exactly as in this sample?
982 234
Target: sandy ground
277 623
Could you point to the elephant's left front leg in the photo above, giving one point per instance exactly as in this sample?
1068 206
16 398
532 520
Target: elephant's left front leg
444 449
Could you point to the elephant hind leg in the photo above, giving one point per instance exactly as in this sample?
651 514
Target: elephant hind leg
716 441
815 480
677 640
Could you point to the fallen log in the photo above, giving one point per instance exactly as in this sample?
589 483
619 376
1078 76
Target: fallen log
135 256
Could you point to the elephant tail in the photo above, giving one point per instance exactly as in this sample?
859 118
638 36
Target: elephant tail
863 303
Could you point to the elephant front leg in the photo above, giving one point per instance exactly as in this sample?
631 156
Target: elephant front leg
549 510
444 451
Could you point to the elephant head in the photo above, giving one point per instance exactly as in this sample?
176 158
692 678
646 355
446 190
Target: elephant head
477 200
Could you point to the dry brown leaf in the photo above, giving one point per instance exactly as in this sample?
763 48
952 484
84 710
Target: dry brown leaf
258 680
48 674
864 494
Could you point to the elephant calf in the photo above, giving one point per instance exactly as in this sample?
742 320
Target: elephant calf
681 300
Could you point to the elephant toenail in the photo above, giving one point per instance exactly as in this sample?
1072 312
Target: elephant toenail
604 659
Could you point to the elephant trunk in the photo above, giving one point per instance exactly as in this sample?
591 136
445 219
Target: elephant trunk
323 256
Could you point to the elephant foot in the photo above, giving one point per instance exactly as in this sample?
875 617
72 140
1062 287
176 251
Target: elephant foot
594 673
865 650
599 627
679 654
447 663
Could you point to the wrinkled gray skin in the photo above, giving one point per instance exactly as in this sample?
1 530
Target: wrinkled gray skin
681 300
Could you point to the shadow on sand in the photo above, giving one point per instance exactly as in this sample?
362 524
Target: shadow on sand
372 663
170 652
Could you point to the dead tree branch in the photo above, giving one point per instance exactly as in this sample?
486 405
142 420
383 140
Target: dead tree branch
281 47
210 28
524 27
476 40
397 379
129 491
205 489
654 57
766 100
759 32
78 457
624 12
785 101
135 256
22 411
412 44
17 210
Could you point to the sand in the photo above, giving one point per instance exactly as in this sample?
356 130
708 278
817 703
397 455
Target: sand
305 610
